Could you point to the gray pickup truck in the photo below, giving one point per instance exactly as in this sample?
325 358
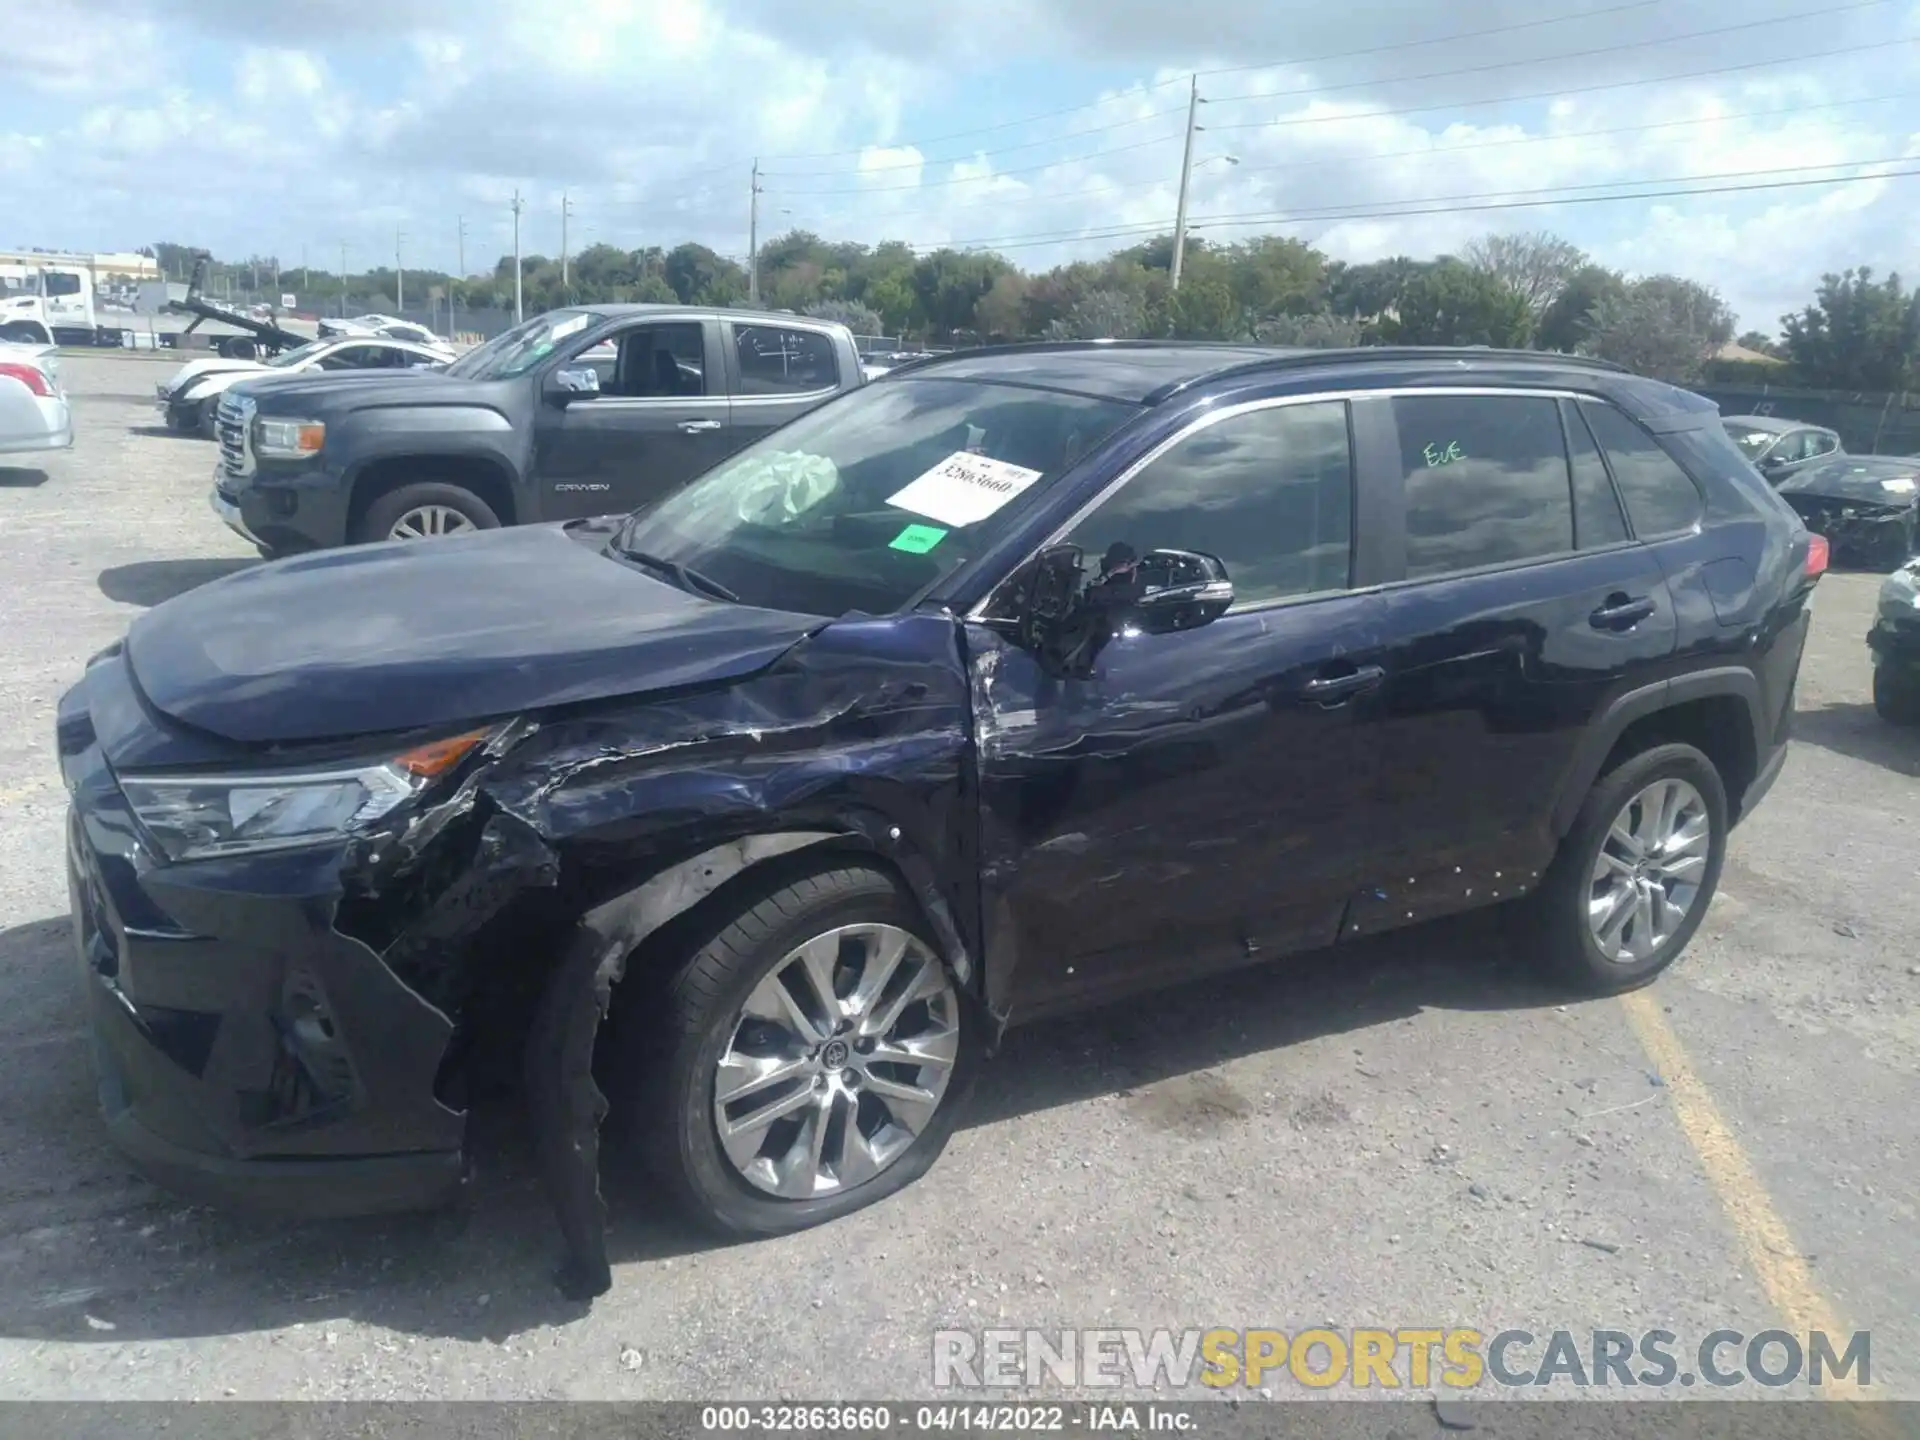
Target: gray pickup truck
577 412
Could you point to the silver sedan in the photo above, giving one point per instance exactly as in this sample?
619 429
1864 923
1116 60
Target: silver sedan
33 406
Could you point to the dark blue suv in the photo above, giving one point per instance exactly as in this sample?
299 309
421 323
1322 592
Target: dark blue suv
1016 680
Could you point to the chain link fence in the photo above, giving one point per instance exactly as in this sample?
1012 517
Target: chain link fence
1867 423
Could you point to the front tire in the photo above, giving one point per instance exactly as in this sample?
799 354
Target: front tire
1634 877
809 1059
425 511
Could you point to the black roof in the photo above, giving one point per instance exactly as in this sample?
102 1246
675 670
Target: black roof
1149 371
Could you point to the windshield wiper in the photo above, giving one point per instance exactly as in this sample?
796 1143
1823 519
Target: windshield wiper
684 576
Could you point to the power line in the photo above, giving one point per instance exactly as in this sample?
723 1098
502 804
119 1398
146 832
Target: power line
1114 191
1614 49
1456 204
1316 90
1448 105
1233 70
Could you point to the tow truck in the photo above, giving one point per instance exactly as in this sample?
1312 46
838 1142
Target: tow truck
261 337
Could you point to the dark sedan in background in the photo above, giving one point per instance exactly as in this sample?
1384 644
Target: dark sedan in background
1864 504
1779 448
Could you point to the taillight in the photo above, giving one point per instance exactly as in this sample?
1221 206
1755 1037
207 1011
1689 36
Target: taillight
1816 556
27 375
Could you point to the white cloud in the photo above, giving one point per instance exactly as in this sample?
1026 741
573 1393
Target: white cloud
309 121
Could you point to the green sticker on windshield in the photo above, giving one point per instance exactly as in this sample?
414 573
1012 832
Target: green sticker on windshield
917 539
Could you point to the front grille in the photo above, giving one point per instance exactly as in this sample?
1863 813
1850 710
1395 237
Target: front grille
233 420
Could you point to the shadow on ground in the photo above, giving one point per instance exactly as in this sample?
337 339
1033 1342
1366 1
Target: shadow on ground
149 582
151 1267
1853 728
167 432
18 477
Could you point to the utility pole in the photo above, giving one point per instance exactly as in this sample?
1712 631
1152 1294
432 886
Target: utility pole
399 273
460 275
566 211
303 269
1186 179
753 238
343 279
519 307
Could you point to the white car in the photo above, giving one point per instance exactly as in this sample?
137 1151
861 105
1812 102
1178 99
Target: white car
33 407
189 397
387 325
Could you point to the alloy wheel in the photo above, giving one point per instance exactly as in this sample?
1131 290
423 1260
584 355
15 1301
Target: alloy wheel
836 1062
424 522
1646 878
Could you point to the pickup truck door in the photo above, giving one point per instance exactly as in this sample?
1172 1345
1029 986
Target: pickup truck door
778 373
659 418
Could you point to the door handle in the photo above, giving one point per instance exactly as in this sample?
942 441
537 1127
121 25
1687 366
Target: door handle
1336 689
1621 612
696 427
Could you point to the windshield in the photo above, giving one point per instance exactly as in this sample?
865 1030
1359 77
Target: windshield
300 355
863 503
1890 481
518 350
1753 443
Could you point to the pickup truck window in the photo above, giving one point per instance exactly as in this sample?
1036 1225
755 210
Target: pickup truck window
518 350
775 361
864 502
658 361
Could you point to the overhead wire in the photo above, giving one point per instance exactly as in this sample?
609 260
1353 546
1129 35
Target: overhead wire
1382 114
1510 28
1390 209
1317 90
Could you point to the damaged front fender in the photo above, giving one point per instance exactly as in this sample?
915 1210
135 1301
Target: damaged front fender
577 842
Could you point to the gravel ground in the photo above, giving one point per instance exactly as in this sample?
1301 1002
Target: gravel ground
1418 1134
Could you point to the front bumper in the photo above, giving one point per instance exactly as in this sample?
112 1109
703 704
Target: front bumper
286 515
247 1053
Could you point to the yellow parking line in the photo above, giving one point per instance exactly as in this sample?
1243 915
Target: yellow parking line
1780 1264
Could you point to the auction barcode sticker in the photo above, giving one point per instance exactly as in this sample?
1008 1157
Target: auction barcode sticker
963 489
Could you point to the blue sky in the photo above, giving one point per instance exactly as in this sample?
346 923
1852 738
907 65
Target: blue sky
254 127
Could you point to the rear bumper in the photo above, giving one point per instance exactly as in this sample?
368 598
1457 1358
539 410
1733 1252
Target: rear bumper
43 423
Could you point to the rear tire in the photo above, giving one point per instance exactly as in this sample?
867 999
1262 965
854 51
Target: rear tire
423 507
689 1032
1576 920
1896 696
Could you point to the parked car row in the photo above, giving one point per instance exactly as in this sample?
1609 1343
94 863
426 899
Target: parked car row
1867 506
1014 681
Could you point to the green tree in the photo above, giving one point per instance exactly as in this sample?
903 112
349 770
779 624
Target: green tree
1451 303
1663 326
1563 325
1203 308
1372 290
999 313
948 284
1858 334
860 319
1275 275
1101 315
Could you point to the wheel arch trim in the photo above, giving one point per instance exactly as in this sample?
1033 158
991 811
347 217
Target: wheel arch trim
1726 681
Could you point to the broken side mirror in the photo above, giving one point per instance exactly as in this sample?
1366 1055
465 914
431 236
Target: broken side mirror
1175 590
1066 620
1049 596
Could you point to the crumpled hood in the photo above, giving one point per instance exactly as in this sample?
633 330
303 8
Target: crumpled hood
195 370
401 635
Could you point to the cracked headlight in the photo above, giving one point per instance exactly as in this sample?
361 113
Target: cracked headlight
192 817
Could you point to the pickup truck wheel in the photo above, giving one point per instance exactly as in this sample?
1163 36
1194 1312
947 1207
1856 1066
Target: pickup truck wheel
424 512
1896 695
807 1060
1634 876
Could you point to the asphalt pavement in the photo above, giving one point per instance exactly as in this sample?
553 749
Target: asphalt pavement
1414 1133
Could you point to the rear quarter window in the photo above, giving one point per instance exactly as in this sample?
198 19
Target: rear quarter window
1661 498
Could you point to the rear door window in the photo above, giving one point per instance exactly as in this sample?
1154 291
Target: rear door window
778 361
1661 498
1597 517
1487 481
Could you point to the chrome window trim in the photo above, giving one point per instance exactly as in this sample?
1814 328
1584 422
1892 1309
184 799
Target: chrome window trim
1274 402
